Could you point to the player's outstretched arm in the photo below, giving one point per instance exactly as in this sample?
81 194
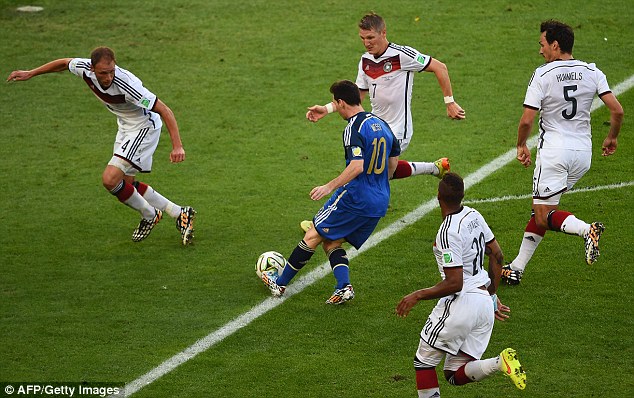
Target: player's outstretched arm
454 111
450 285
178 153
616 119
54 66
354 168
496 259
316 112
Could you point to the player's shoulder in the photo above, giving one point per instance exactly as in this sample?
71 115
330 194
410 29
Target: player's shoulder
402 50
80 64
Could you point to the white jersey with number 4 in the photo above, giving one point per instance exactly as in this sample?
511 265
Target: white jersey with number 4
563 92
126 97
461 242
389 80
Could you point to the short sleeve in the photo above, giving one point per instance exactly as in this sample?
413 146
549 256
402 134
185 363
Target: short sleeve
78 66
413 60
534 93
361 81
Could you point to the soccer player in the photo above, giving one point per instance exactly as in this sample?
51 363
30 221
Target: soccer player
386 73
139 113
562 91
460 325
361 195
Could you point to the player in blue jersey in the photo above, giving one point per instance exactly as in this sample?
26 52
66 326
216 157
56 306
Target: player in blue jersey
140 115
361 195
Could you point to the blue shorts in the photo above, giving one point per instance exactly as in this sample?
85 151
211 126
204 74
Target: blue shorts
333 224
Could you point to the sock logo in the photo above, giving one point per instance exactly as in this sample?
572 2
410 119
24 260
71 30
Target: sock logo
530 238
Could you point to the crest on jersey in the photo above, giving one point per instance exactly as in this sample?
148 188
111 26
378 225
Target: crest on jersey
387 67
145 102
421 59
356 151
447 258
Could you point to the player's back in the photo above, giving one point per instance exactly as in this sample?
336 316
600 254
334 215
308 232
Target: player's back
563 90
369 138
461 241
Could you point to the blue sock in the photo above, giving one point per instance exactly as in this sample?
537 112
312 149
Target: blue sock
339 263
298 258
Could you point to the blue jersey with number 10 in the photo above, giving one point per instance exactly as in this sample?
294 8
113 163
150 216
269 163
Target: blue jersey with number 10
369 138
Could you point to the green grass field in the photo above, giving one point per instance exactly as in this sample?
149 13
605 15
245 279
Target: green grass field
79 301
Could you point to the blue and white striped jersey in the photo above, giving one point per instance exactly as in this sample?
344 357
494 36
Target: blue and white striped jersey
126 97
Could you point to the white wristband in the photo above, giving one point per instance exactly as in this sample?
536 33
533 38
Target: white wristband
329 107
449 99
494 297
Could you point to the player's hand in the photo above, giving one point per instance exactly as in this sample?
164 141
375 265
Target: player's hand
19 75
407 303
609 146
500 313
319 192
177 155
454 111
524 155
316 112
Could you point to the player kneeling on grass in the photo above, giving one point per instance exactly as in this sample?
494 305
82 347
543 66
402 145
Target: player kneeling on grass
139 117
361 197
460 325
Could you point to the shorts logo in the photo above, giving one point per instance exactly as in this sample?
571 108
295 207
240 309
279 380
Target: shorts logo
145 102
447 258
326 230
421 59
356 151
387 67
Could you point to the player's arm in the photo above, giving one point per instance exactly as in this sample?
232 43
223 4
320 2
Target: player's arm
616 119
354 168
58 65
391 166
178 153
450 285
438 68
496 260
523 131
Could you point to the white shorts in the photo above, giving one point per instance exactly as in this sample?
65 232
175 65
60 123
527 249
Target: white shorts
133 150
556 171
461 322
404 143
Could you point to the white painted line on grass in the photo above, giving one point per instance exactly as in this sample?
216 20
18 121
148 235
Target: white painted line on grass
574 190
322 270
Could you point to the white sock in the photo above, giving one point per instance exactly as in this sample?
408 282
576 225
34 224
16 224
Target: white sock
423 168
573 225
138 203
162 203
530 241
429 393
481 369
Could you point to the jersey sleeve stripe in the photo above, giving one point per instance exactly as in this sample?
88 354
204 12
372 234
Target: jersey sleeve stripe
127 88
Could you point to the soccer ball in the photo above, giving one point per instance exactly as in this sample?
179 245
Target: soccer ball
270 262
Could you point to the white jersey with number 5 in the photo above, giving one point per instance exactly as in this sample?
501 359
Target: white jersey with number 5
563 92
389 80
461 242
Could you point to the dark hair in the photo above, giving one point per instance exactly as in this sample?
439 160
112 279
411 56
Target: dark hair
451 189
347 91
100 53
372 21
560 32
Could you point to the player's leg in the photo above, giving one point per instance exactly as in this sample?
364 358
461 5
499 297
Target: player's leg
340 268
120 185
467 366
425 361
406 168
533 235
184 215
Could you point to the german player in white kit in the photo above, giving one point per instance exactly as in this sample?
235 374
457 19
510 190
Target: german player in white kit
561 91
139 113
386 73
460 325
